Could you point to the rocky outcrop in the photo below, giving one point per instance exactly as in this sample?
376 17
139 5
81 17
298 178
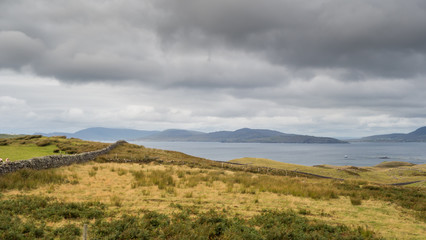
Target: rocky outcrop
55 161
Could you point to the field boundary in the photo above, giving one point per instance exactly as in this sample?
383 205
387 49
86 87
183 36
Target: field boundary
55 161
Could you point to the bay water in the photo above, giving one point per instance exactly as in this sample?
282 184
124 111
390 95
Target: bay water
354 154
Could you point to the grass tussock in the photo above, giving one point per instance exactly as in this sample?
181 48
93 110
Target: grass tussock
161 178
31 179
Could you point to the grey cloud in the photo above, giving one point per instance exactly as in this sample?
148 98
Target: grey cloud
379 38
18 49
156 42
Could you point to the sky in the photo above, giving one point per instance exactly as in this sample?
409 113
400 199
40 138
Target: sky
319 67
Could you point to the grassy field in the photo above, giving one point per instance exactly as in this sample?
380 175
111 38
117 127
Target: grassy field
26 147
16 152
386 172
171 195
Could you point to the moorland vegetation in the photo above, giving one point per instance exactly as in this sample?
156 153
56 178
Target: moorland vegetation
135 192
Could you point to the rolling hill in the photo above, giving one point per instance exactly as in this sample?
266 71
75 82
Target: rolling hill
418 135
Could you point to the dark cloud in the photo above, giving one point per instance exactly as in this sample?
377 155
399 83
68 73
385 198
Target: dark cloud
142 40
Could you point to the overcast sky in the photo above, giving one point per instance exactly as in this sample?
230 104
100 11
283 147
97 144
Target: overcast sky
319 67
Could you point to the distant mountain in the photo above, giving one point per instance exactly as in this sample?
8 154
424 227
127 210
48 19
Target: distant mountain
244 135
172 135
105 134
418 135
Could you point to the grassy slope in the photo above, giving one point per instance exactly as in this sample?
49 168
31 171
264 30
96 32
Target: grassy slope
381 174
26 147
197 186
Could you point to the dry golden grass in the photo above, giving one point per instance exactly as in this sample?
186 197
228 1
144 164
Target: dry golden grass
202 189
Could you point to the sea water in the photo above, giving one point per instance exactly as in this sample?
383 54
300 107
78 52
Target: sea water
355 154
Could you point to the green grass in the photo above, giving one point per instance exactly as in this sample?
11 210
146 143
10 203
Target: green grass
27 151
30 146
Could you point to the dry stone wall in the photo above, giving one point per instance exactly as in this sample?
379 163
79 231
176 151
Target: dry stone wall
55 161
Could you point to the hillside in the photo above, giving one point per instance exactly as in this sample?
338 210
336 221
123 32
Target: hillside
418 135
135 192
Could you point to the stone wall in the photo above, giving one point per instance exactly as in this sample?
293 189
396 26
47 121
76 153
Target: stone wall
55 161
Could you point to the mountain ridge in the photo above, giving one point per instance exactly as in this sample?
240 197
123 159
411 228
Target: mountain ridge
243 135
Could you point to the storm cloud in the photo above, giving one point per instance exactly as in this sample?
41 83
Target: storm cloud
271 63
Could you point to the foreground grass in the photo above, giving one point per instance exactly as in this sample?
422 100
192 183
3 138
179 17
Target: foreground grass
128 192
183 224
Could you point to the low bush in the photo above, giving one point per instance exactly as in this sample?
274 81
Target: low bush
12 227
43 142
50 209
216 225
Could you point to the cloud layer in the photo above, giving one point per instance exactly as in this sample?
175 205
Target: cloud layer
296 65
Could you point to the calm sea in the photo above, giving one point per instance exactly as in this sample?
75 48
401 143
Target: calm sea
355 154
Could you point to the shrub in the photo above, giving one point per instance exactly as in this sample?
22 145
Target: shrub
216 225
50 209
69 231
4 142
43 142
